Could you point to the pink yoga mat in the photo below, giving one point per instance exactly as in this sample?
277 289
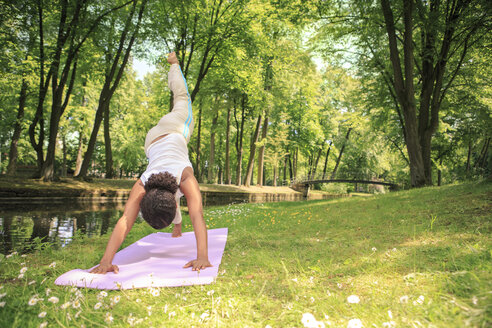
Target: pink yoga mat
156 260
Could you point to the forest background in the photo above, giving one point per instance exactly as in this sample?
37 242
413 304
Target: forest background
281 90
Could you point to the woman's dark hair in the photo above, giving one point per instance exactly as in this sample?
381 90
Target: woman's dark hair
158 206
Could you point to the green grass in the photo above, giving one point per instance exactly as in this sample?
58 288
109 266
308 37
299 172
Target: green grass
283 260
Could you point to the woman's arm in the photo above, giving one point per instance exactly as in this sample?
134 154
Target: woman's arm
121 229
189 187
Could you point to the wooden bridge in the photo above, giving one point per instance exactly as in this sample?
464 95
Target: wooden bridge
303 183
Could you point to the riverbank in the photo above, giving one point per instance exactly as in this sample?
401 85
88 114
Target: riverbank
417 258
18 190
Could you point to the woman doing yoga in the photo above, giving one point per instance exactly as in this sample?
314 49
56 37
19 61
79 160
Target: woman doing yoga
168 176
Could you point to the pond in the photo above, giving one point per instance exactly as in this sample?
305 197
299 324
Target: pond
24 227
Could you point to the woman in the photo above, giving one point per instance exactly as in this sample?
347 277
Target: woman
168 176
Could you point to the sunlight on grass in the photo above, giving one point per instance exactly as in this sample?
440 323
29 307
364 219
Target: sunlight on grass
381 261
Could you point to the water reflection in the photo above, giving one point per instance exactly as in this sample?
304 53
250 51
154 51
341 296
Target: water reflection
23 229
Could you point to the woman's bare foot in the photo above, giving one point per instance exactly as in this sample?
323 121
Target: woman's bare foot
177 231
172 59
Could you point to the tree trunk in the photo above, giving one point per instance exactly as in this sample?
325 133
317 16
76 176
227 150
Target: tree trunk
239 140
333 174
326 159
13 153
252 151
211 162
313 174
63 172
468 157
227 158
198 141
78 162
107 145
261 152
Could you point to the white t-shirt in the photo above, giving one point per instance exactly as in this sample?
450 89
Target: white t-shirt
169 154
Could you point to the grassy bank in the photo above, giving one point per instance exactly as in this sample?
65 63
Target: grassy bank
13 183
419 258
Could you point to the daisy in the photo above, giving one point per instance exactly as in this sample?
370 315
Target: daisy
404 299
20 276
97 306
155 292
109 318
355 323
374 249
354 299
76 304
42 315
65 305
103 293
53 299
33 300
52 265
210 292
3 295
43 325
309 321
2 304
115 299
172 314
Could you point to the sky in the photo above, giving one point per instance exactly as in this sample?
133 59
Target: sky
142 67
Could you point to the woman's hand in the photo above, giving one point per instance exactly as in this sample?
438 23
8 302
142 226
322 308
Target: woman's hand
198 264
172 59
105 267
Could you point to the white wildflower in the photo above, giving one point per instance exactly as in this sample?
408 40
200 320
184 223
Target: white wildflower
43 325
294 280
73 289
172 314
312 299
42 314
65 305
20 276
48 291
155 292
390 314
354 299
52 265
33 300
389 324
419 300
354 323
103 293
115 299
97 306
394 249
3 295
23 255
374 249
77 314
2 304
339 285
32 282
474 300
309 321
204 316
76 304
53 299
109 318
404 299
210 292
138 300
165 308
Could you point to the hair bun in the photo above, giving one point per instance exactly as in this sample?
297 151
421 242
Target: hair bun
163 181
